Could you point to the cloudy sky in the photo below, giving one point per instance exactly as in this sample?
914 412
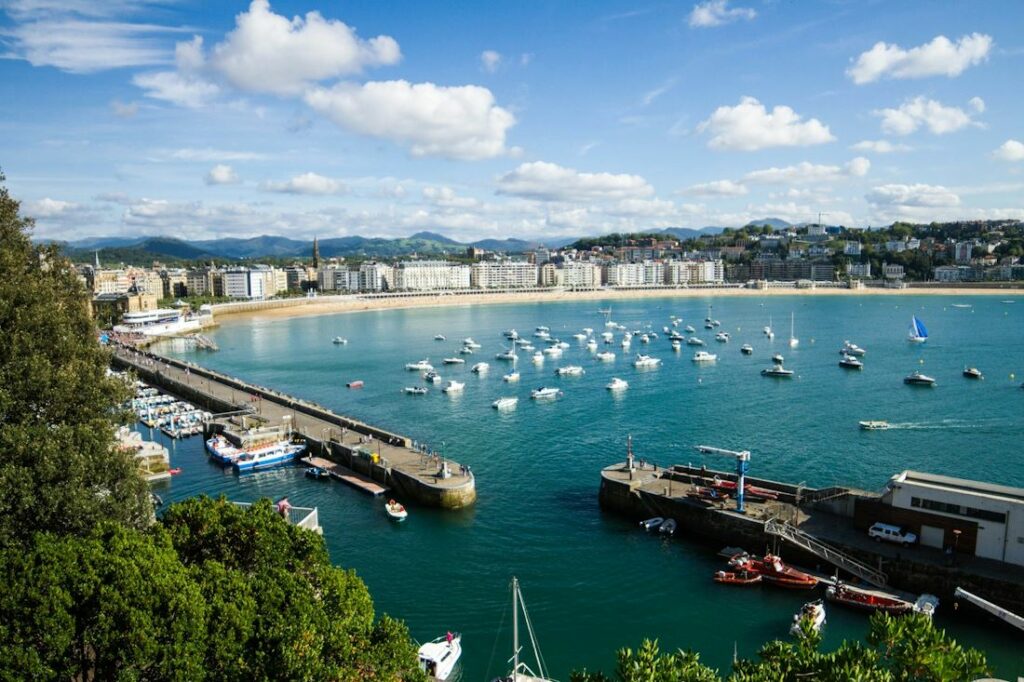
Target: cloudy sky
539 119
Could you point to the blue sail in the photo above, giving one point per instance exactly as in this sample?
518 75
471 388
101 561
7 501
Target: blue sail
919 329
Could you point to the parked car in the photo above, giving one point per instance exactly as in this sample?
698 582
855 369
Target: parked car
890 533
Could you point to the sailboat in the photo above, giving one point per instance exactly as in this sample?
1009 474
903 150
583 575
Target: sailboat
520 671
768 331
793 341
918 333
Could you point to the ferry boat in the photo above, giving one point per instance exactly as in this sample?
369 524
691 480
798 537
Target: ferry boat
544 393
432 377
917 333
777 371
415 390
919 379
570 371
395 510
439 657
279 454
645 361
480 368
419 366
973 373
454 361
159 322
850 362
874 425
747 349
453 387
605 356
340 341
506 403
704 356
813 613
694 341
511 377
617 384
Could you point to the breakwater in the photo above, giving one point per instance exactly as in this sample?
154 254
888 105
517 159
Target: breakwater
384 456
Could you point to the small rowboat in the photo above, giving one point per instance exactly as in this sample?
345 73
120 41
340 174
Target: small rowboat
395 510
175 471
652 523
841 593
316 472
737 577
355 384
668 527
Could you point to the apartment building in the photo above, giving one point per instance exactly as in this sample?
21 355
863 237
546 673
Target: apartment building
431 276
503 275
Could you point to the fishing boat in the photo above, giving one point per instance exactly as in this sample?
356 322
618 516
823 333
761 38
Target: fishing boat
545 393
722 337
777 371
747 349
340 341
874 425
439 657
454 361
507 403
617 384
279 454
480 368
317 473
432 377
440 337
741 578
668 527
851 349
774 571
358 383
645 361
416 390
395 510
793 341
841 593
520 671
570 371
704 356
419 366
605 356
850 362
812 613
917 333
453 387
919 379
511 377
694 341
973 373
652 523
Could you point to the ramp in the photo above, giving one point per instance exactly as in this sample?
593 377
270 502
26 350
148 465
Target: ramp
837 558
985 605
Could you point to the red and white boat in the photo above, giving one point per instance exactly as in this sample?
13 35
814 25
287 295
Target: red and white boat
846 595
741 577
774 572
748 490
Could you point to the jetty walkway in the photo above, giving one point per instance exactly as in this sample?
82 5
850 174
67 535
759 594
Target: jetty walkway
377 454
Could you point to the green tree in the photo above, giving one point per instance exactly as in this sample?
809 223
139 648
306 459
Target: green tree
58 468
648 664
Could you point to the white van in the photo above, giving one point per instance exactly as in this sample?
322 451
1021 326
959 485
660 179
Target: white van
890 533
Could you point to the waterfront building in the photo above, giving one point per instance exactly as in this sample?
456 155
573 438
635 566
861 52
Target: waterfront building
296 277
375 276
552 276
503 275
110 282
625 274
256 283
175 282
654 272
581 275
851 249
204 282
893 271
861 270
962 252
420 275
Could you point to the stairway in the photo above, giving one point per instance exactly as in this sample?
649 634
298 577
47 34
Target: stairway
839 559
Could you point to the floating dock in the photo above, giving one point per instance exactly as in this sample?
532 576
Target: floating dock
388 459
346 475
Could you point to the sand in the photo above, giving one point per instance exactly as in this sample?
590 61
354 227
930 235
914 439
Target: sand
328 305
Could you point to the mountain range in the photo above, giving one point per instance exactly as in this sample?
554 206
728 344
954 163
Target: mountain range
269 246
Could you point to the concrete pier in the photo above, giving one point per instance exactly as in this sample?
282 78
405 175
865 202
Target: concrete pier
380 455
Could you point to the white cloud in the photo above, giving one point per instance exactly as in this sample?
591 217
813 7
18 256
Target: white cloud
749 126
809 173
490 60
717 12
48 208
977 104
551 182
716 188
307 183
447 198
173 87
940 57
925 196
270 53
221 174
651 95
1011 150
920 111
459 122
210 154
879 147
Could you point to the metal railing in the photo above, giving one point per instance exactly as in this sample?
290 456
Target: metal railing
811 544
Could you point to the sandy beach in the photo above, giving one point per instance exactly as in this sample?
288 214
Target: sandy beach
329 305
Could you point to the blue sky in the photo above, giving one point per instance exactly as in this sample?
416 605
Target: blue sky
541 119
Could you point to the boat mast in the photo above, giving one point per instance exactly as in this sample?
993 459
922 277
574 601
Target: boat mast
515 628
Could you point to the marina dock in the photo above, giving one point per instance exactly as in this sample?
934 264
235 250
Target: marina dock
346 475
376 455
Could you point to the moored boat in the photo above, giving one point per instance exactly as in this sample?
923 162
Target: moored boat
439 657
917 333
453 387
617 384
395 510
778 372
506 403
480 368
854 597
419 366
545 393
317 473
652 523
747 349
919 379
416 390
973 373
432 377
740 577
645 361
340 341
850 362
358 383
570 371
811 614
704 356
668 527
774 571
511 377
454 361
279 454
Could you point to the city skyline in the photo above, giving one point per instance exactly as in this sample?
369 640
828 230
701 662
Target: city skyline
297 119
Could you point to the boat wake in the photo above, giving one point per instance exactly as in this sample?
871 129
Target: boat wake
948 424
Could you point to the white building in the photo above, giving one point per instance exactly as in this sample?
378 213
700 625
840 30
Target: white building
947 273
430 276
851 249
983 519
582 275
626 275
892 271
503 275
375 276
551 276
862 270
654 272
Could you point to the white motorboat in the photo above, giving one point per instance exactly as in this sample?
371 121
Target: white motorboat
644 338
542 328
570 371
778 359
440 337
793 341
538 358
608 337
420 366
509 354
562 344
511 377
395 510
704 356
617 384
919 379
851 349
625 343
677 346
511 334
747 349
432 377
694 341
454 361
588 330
592 345
722 337
545 393
553 351
605 356
453 387
507 403
850 362
689 329
415 390
528 347
778 372
812 613
645 361
466 350
709 325
468 342
542 335
439 657
340 340
874 425
523 342
580 337
480 368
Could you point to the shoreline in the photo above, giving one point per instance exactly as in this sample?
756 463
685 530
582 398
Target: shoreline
353 304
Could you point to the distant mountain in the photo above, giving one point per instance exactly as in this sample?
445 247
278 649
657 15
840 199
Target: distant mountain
685 233
434 237
774 223
506 245
255 247
104 242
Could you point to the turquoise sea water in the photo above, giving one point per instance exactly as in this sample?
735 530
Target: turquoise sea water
593 582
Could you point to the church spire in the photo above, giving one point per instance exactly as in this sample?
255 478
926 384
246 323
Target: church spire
316 254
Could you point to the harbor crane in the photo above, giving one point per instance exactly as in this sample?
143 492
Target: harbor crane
742 465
